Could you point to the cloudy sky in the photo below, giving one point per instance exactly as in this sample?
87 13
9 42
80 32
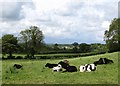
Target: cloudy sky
62 21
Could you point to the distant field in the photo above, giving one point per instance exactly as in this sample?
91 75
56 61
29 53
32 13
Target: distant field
34 72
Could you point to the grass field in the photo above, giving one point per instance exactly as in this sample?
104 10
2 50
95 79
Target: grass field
34 72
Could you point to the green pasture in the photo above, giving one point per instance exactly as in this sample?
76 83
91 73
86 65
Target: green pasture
34 71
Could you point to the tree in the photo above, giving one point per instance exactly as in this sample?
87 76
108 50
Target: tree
84 48
33 38
75 48
0 45
56 46
97 47
112 36
9 44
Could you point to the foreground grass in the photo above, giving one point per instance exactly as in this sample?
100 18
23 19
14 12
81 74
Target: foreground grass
34 72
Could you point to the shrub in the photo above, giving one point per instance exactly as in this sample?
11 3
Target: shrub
10 57
29 57
19 57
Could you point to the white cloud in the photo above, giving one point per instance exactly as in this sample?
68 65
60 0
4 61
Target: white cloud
78 20
119 9
46 5
105 25
7 12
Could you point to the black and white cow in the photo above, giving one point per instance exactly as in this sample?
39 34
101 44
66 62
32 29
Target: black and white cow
49 65
103 61
67 67
63 64
87 68
57 68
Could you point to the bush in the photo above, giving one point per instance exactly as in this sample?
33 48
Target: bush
19 57
57 56
3 57
10 57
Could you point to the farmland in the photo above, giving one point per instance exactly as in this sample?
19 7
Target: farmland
34 71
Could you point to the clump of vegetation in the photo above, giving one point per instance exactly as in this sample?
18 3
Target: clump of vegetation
12 70
112 36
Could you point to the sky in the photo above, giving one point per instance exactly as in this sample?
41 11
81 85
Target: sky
61 21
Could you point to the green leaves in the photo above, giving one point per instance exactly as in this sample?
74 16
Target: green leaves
9 44
112 36
33 38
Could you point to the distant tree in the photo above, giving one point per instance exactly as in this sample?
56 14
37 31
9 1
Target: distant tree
97 47
9 44
0 45
56 47
75 44
112 36
75 48
64 48
84 48
33 38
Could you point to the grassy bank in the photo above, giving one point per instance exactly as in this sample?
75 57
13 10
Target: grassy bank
34 72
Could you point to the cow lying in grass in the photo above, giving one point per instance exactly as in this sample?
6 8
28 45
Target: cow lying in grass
63 64
57 68
87 68
67 67
49 65
103 61
18 66
70 69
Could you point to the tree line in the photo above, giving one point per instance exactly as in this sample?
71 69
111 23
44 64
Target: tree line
31 41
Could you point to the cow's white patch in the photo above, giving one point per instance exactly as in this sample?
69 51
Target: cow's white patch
57 68
82 68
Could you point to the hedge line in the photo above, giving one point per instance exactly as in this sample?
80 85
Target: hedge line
69 56
64 56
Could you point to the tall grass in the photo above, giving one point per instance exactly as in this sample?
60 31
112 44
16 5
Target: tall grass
34 72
